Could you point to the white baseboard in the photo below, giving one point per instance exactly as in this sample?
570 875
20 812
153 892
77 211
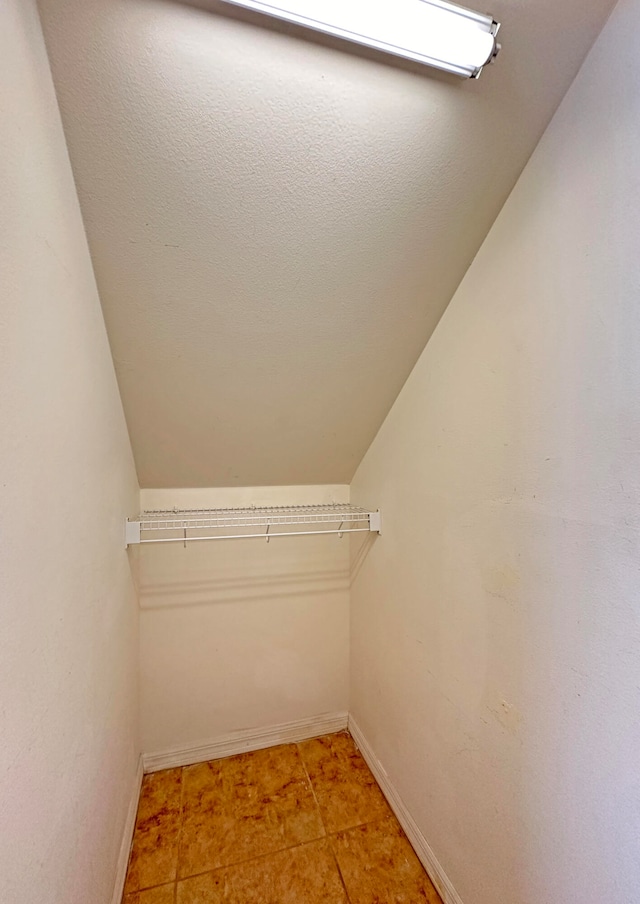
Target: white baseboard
127 837
245 740
419 843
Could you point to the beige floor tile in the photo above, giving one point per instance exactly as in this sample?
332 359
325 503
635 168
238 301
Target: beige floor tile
244 807
379 866
343 784
302 875
154 855
163 894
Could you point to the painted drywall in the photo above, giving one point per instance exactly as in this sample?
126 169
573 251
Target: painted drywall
241 634
496 623
68 645
277 225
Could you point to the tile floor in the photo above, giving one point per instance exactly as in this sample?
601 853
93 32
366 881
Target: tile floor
298 824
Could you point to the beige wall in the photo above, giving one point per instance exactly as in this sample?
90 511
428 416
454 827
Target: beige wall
496 625
68 670
241 634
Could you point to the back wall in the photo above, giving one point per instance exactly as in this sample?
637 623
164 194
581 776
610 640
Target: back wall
241 634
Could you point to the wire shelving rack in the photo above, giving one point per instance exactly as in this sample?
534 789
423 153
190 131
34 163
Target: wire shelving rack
190 525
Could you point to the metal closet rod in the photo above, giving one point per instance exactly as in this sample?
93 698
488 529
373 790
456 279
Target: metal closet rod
184 520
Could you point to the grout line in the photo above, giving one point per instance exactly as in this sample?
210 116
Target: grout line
138 891
179 838
313 790
289 847
362 825
344 884
180 827
217 869
327 835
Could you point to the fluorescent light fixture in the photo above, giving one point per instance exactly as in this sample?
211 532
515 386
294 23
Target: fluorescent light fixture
433 32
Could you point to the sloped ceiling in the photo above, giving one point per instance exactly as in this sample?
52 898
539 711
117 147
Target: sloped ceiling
277 225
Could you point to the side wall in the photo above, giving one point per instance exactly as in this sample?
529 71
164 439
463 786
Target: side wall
241 634
68 645
496 624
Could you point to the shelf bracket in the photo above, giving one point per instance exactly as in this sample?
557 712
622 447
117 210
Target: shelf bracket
131 533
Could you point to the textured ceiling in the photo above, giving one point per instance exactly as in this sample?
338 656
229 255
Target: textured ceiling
277 225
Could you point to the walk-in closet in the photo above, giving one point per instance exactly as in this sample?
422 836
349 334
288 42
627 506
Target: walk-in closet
319 452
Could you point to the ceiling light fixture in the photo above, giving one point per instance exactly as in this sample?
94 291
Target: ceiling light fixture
433 32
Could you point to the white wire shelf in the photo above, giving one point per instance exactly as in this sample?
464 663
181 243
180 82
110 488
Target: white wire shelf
189 525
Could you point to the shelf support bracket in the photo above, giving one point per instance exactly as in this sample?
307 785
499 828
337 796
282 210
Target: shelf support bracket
131 533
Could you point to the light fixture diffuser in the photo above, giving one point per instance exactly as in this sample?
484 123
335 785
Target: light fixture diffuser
433 32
